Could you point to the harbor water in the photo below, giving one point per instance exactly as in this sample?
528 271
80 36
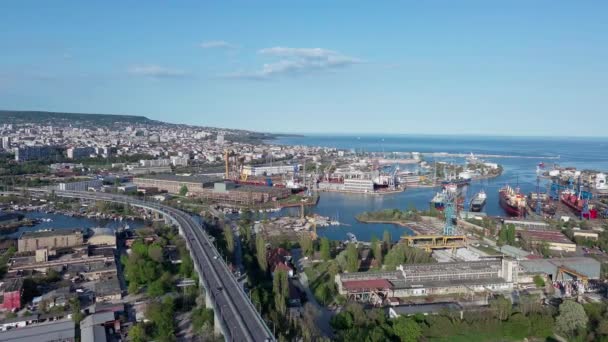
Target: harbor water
521 155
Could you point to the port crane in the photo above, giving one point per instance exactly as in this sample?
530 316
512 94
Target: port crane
448 211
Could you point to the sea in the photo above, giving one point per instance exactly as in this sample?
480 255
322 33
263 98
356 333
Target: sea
519 157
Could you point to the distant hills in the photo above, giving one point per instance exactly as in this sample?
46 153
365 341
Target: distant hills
75 119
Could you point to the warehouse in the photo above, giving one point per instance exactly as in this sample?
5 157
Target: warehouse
550 267
555 240
174 183
102 237
494 275
32 241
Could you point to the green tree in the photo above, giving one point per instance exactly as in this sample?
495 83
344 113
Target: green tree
501 307
77 315
325 249
137 333
260 245
155 252
322 293
183 191
571 317
187 266
352 258
539 281
202 320
306 244
407 329
541 324
332 269
229 237
544 249
162 316
387 240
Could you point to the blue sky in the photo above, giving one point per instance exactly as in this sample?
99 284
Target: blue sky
435 67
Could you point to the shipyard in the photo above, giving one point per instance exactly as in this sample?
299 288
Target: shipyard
292 171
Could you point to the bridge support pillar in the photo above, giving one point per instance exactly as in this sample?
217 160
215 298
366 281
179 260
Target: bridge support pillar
208 303
217 324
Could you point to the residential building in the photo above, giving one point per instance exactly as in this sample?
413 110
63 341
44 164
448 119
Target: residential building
28 153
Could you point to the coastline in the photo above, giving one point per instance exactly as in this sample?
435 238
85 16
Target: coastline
418 228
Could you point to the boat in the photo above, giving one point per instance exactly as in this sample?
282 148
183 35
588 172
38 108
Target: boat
547 205
438 201
460 182
600 184
512 201
575 202
478 201
351 237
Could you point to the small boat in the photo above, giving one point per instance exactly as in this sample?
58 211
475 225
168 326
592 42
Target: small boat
351 237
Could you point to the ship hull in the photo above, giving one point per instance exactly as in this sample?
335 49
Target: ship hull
509 209
592 214
477 205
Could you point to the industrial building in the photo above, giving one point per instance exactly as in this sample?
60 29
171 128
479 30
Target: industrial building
451 278
56 331
32 241
555 240
250 170
80 186
214 189
587 267
173 183
358 185
99 236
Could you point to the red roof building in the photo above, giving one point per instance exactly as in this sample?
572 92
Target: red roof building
11 291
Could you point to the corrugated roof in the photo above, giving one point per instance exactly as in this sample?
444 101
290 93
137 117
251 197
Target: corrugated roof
353 285
51 331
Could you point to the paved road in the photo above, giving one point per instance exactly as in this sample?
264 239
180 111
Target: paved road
239 318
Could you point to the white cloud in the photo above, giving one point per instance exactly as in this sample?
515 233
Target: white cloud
217 44
297 61
156 71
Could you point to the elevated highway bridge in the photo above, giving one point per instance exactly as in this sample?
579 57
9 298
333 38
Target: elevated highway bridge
235 316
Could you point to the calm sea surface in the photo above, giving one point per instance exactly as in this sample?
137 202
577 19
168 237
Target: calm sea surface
524 152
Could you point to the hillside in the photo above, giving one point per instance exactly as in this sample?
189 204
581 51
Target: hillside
75 119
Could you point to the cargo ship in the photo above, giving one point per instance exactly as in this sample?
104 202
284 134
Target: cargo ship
546 204
571 199
512 201
478 201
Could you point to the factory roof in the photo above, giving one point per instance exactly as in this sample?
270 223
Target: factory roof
179 178
424 308
50 331
107 287
48 233
13 284
550 236
587 266
354 285
102 231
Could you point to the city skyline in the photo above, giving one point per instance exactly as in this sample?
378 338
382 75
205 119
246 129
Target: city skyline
526 69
